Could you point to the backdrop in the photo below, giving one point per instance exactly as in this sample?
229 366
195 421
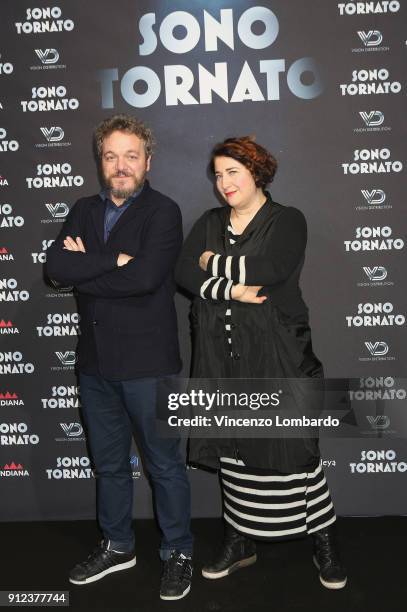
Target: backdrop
320 84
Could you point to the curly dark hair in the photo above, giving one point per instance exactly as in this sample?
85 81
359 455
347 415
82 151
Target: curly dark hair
261 164
123 123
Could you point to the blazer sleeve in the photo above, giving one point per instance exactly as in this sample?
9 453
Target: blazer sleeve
73 267
284 253
149 269
189 275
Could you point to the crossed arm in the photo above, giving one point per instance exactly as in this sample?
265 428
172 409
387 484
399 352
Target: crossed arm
203 272
73 266
196 279
286 250
71 244
118 274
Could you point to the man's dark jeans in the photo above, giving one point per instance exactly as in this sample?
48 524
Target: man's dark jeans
110 411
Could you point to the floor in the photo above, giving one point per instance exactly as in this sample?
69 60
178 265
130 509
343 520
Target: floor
38 556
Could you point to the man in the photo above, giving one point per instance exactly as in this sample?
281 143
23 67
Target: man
118 249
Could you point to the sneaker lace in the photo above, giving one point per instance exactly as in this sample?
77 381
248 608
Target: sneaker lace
176 567
96 552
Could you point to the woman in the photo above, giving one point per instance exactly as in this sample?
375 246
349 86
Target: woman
242 264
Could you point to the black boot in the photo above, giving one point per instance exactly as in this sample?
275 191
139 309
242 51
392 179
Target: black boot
236 551
332 573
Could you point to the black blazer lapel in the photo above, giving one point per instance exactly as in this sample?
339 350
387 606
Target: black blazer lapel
98 218
133 209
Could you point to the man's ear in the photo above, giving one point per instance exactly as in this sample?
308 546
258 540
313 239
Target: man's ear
148 163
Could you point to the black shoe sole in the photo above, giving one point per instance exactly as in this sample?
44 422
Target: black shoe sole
329 585
115 568
174 597
229 570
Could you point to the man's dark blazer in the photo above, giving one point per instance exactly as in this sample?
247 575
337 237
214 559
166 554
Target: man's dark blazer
128 320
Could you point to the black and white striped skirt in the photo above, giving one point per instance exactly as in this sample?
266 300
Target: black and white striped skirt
265 504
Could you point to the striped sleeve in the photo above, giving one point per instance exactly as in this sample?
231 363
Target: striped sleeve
284 252
228 266
215 288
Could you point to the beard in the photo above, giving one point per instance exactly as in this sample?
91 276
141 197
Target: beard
120 192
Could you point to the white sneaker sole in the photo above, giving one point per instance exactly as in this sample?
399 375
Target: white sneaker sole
174 597
110 570
329 585
233 568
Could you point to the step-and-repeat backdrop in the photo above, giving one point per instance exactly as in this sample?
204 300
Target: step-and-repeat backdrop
320 83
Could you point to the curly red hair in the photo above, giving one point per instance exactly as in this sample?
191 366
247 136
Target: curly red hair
261 164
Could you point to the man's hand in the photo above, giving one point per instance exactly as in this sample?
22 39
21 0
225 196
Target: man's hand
204 258
248 294
123 259
74 245
77 245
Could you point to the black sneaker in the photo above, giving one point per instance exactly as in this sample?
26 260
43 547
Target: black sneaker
332 573
100 563
176 576
236 552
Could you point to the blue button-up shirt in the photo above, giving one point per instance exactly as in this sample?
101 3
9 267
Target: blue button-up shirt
114 212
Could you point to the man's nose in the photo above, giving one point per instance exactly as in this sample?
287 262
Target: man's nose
120 163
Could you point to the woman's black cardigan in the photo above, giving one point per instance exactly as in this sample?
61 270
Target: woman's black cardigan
269 340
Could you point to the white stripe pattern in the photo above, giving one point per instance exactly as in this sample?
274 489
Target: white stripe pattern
318 499
264 478
260 506
228 267
229 459
253 510
268 519
313 497
317 486
204 286
228 289
242 270
312 517
258 532
214 292
322 525
215 263
263 492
